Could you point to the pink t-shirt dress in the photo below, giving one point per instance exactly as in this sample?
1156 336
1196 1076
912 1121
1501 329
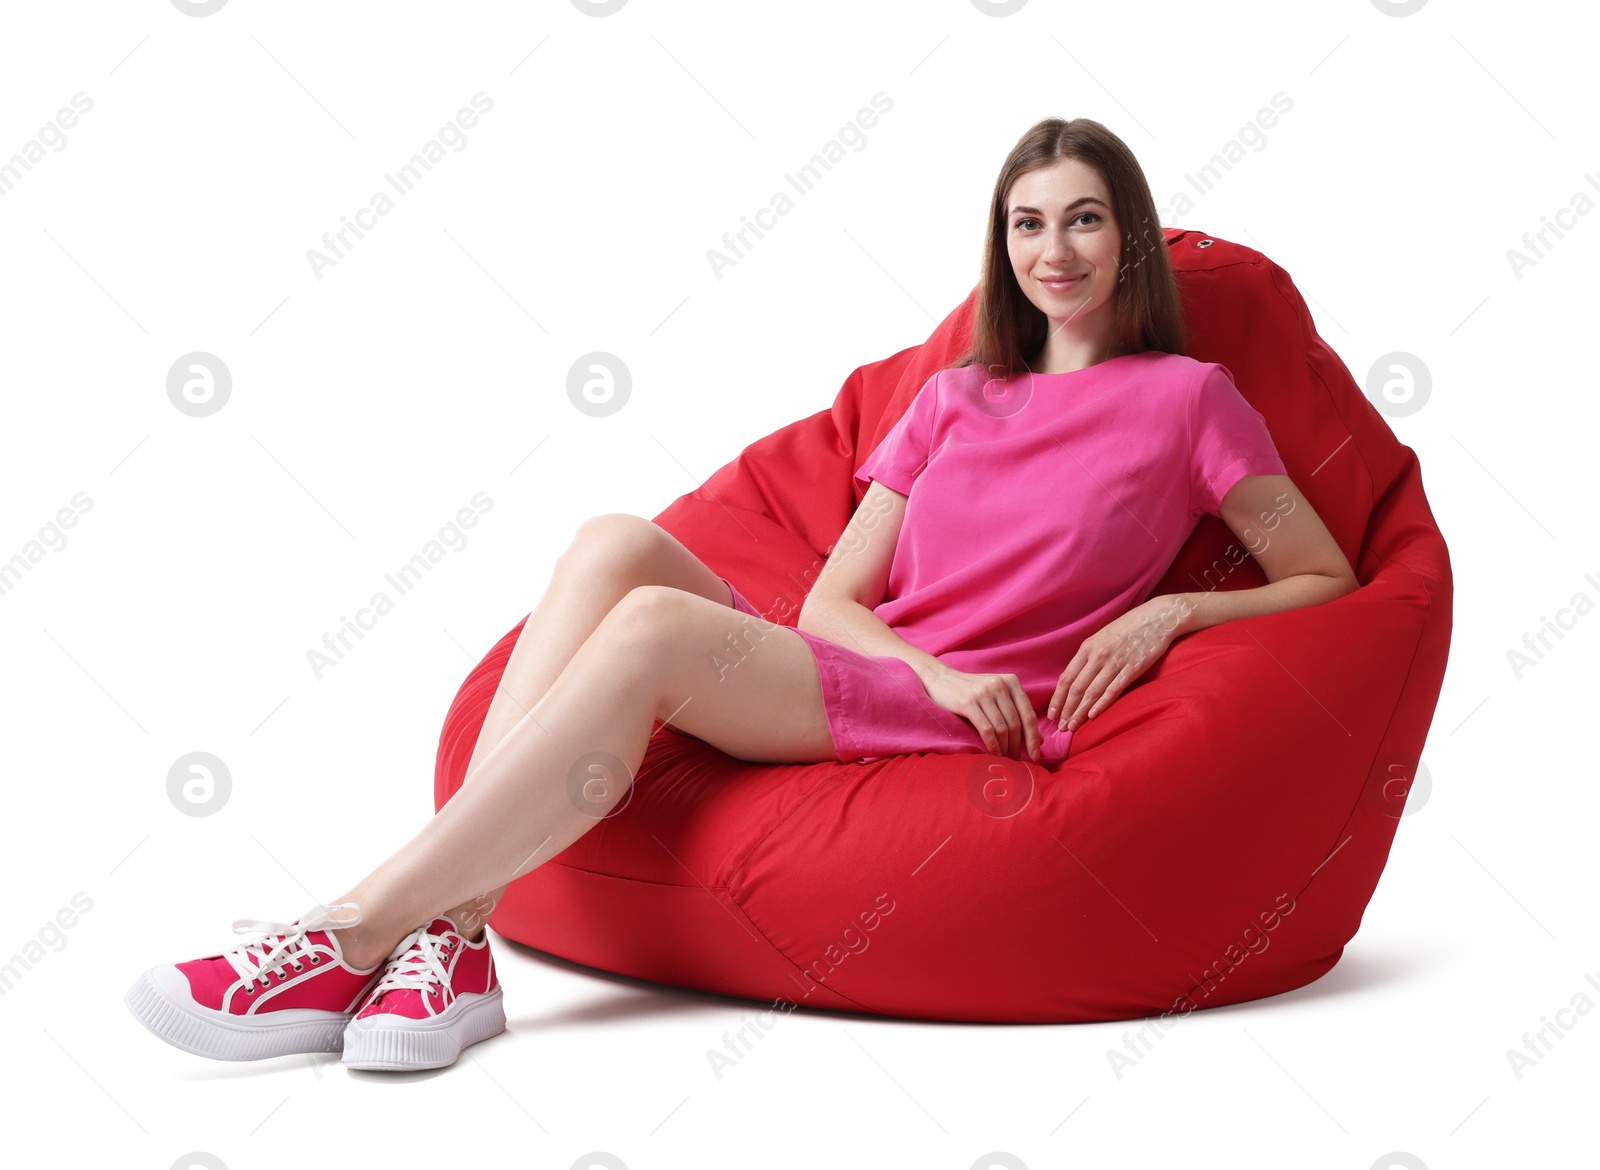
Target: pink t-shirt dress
1038 509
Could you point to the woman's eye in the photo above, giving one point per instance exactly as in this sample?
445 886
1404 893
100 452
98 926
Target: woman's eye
1023 223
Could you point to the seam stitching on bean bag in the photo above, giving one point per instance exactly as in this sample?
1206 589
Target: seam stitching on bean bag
733 897
744 915
792 964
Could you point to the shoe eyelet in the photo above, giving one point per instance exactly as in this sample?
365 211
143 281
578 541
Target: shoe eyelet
251 990
315 959
299 966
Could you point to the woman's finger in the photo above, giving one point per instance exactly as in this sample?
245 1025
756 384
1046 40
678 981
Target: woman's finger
1114 688
1057 697
1092 692
985 721
994 706
1077 687
1058 700
1016 725
1029 740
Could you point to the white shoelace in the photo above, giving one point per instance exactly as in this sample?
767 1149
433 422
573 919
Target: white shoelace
280 943
419 964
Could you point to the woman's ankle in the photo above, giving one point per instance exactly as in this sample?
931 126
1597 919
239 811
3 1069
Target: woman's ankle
357 947
469 924
471 917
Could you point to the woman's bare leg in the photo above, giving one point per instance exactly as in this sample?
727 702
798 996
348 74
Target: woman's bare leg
609 555
741 684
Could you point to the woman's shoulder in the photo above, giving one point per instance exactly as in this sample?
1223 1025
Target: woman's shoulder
1189 368
1180 374
957 375
1177 365
951 383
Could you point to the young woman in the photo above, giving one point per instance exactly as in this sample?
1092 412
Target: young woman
1058 469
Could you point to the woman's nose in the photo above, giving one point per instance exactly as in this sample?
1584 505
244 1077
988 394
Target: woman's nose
1058 249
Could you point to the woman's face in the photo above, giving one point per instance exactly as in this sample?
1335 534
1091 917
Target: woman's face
1059 223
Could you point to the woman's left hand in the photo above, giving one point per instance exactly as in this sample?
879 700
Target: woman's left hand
1112 657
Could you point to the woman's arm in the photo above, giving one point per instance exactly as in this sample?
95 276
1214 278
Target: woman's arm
839 606
1302 562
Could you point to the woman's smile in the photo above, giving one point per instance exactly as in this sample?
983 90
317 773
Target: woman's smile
1062 286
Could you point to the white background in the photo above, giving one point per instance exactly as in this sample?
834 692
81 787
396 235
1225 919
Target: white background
430 364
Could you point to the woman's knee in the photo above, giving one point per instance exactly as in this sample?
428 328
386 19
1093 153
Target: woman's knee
649 619
619 544
665 634
678 647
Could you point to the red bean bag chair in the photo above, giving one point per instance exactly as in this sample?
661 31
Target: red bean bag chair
1213 835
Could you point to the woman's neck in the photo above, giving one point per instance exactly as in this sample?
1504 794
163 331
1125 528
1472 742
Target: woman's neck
1071 362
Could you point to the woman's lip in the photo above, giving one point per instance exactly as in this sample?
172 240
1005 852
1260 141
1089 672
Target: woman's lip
1057 286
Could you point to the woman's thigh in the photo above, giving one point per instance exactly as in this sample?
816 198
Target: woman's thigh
738 682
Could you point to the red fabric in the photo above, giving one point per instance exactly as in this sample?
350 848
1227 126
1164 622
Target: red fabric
1213 836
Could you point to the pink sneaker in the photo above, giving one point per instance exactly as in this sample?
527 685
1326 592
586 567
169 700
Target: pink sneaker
439 994
288 990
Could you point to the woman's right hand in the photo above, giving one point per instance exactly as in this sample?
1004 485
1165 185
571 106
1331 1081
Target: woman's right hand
994 704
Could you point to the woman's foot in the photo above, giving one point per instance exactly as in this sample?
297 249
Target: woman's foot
287 990
439 994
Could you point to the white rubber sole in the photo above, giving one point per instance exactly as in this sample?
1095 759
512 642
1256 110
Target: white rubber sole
399 1044
159 999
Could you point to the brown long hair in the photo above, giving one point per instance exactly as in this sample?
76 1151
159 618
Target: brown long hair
1008 331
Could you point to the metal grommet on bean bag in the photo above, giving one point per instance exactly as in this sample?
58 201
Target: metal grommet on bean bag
1214 835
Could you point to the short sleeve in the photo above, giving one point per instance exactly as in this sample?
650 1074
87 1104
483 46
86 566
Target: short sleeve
902 454
1228 440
